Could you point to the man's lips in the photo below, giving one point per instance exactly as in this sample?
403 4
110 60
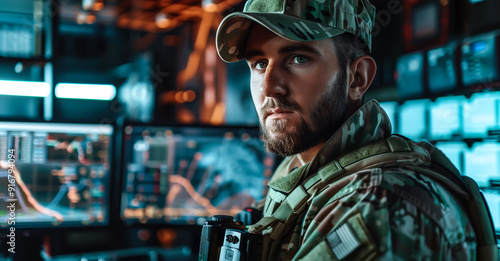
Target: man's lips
278 113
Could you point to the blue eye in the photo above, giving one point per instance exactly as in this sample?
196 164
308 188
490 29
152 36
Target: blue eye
299 59
260 65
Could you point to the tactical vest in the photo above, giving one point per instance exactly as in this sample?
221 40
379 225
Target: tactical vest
395 151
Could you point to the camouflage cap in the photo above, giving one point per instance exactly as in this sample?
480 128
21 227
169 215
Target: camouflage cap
296 20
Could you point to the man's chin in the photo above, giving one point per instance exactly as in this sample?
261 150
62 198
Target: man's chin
280 126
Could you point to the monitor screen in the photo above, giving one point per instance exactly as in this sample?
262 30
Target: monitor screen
186 174
412 119
442 69
480 114
482 163
54 174
426 21
454 150
445 117
493 199
479 63
391 109
410 75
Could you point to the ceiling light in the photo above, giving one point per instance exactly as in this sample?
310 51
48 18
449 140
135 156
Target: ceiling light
22 88
105 92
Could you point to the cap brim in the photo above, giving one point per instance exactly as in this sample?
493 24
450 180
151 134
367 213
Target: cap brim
232 34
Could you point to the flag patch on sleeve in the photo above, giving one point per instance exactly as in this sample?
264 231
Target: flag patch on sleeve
343 241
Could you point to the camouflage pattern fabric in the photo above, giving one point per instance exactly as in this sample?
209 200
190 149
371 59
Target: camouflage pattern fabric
373 214
296 20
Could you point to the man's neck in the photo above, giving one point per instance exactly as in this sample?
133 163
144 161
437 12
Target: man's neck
306 156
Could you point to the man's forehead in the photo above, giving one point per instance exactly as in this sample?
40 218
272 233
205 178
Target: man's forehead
260 39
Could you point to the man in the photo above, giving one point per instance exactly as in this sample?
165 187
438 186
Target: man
346 190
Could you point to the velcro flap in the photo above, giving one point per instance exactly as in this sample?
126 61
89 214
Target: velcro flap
283 211
297 198
330 170
264 223
276 196
398 144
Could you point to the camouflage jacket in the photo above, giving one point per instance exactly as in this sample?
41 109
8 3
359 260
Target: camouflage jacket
372 214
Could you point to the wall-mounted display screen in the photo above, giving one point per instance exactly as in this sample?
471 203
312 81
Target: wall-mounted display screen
446 117
480 114
413 119
442 67
185 175
391 108
482 163
479 62
55 174
410 76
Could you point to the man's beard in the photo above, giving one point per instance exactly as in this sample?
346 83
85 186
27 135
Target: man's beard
326 117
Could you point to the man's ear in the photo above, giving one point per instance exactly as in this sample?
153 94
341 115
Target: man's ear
362 71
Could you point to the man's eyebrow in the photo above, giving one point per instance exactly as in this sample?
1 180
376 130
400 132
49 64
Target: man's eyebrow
284 50
252 53
299 47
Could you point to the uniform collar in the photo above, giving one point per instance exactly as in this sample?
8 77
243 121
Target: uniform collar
369 123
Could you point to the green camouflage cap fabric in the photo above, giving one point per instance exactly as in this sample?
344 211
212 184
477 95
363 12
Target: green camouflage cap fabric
296 20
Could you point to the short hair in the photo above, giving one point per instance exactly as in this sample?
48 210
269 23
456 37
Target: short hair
348 48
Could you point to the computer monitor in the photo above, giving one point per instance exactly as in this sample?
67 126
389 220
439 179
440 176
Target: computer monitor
410 76
481 115
413 118
427 23
454 150
479 63
442 68
446 117
391 109
54 174
186 174
482 163
493 200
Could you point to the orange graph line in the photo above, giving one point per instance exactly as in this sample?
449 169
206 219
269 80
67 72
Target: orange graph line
192 192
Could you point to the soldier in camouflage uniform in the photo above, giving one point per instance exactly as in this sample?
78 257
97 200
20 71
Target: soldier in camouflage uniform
347 190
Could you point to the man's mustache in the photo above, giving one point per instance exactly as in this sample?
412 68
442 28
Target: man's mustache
273 104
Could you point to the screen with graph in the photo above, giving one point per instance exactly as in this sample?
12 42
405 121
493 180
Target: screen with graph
183 175
54 174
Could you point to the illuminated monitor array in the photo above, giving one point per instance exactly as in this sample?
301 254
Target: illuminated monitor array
410 75
412 118
493 199
61 173
184 175
450 121
454 66
442 69
390 109
481 115
426 21
480 60
480 162
447 117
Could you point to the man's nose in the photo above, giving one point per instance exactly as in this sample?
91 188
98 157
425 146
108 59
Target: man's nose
274 83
